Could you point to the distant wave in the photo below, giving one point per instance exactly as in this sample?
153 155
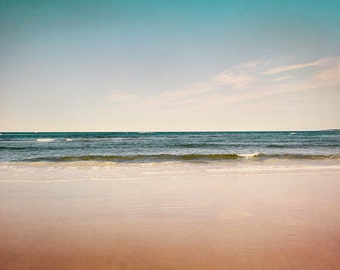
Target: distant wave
278 146
199 145
179 158
45 140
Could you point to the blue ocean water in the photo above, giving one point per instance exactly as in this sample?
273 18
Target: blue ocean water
168 146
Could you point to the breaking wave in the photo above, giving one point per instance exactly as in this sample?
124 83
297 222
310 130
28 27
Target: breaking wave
45 140
178 158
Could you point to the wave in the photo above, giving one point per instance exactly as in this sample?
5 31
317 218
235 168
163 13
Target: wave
249 155
179 158
140 158
277 146
45 140
20 148
199 145
298 156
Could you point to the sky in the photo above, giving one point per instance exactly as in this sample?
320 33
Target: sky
169 65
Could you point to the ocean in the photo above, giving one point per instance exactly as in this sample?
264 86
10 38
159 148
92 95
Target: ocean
156 147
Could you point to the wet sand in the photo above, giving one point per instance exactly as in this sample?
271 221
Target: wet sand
170 216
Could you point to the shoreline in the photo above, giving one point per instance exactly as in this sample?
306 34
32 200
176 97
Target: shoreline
98 170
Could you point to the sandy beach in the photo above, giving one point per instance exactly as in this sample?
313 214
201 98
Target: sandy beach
170 216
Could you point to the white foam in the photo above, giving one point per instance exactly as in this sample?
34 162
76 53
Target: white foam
69 140
292 133
45 140
99 171
249 155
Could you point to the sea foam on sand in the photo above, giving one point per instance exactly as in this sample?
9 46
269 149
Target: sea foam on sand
236 215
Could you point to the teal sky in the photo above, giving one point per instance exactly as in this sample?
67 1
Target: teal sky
169 65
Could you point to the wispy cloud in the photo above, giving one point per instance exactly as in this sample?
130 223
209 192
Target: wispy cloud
254 78
289 68
259 75
283 78
330 76
240 76
321 62
235 79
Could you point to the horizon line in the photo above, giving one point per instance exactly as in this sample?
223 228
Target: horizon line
175 131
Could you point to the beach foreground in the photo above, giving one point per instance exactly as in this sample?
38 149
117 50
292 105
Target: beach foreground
170 215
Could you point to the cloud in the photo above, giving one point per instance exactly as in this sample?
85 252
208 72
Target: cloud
254 78
215 102
329 76
249 66
240 76
283 78
258 75
289 68
321 62
236 80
